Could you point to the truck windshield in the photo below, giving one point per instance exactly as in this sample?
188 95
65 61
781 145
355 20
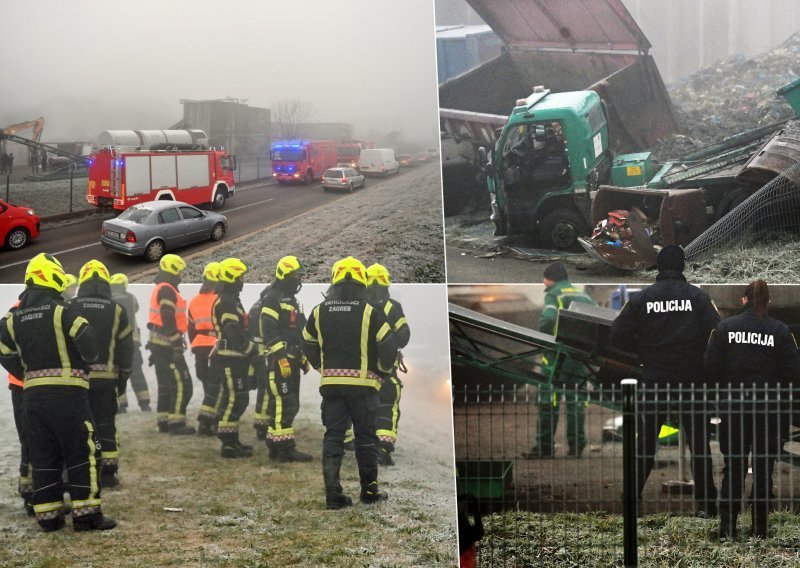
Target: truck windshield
227 162
288 154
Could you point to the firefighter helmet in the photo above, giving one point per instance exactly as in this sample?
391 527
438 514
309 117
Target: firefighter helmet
91 269
211 272
349 269
288 267
172 263
120 279
71 281
378 274
231 270
45 270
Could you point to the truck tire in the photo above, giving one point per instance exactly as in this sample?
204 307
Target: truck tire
561 228
219 199
154 251
309 177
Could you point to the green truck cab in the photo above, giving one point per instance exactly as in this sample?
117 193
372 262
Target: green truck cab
551 154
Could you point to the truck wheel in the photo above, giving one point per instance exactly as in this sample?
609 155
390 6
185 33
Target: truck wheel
309 177
561 228
219 199
17 238
154 251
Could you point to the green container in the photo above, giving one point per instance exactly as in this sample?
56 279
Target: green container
630 170
484 479
791 93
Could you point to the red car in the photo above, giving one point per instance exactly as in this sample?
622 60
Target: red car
18 225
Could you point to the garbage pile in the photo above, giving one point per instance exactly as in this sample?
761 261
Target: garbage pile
615 231
735 95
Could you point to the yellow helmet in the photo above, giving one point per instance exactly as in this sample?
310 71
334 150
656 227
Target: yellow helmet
172 263
71 281
45 270
378 274
120 279
91 269
289 266
349 268
211 272
231 270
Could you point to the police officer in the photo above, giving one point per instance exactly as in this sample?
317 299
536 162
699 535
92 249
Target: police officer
202 338
559 295
120 294
278 325
232 356
668 325
50 346
750 356
109 374
387 416
349 343
167 324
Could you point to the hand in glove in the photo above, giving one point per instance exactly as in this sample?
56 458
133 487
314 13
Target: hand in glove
122 382
285 366
305 365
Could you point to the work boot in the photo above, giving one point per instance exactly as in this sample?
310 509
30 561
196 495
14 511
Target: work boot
26 502
109 479
727 525
706 510
205 429
53 525
261 432
371 494
181 429
231 451
538 453
334 496
94 522
290 454
760 513
272 450
145 406
247 449
163 427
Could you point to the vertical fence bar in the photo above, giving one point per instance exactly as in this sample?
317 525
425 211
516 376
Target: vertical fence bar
71 175
629 492
258 168
8 184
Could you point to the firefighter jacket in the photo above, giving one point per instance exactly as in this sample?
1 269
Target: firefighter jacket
111 327
397 320
131 305
755 352
667 324
277 323
167 319
46 342
12 380
557 297
351 344
230 325
201 325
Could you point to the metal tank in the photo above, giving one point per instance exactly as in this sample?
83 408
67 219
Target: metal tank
146 139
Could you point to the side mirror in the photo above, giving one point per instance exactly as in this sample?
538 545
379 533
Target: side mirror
482 157
540 133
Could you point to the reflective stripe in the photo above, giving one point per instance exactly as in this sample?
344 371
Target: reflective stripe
271 313
287 307
109 455
115 336
387 307
319 338
61 341
176 410
77 325
383 331
56 381
365 318
83 503
277 346
400 323
227 316
223 422
351 381
48 507
273 387
94 488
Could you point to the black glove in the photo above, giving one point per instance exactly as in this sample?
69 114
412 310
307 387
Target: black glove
122 382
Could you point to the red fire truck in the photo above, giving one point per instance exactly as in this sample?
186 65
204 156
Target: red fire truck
301 160
121 178
348 151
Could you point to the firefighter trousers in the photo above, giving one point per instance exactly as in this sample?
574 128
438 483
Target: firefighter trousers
137 380
261 412
174 386
283 405
233 373
58 425
209 409
337 412
103 404
25 485
387 416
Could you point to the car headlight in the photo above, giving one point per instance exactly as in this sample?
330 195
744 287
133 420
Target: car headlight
30 212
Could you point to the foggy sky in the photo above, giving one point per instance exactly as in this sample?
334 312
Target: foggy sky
355 60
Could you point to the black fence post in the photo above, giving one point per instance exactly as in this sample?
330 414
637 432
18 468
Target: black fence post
71 173
630 497
8 184
258 168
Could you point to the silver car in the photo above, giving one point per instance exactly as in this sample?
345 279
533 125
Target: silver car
342 178
150 229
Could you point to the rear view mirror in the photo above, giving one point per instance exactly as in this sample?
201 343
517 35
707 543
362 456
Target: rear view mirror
540 133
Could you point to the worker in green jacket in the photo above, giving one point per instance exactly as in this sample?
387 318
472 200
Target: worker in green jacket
559 294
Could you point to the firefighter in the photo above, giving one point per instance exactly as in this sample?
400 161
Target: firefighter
202 337
560 294
668 325
50 347
231 359
355 343
750 355
108 375
167 324
120 294
387 416
277 327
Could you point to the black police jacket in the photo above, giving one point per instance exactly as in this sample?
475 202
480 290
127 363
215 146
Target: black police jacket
667 324
758 353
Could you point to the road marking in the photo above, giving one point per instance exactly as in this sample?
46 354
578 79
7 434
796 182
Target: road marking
245 206
52 253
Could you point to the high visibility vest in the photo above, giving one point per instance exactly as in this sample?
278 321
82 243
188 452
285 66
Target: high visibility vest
180 309
200 315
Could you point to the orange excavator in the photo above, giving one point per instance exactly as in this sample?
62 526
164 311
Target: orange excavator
37 125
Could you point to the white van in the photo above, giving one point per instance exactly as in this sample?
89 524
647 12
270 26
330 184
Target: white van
381 161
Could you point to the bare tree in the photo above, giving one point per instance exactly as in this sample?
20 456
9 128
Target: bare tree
290 114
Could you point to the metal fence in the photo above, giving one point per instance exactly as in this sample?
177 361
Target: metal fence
559 501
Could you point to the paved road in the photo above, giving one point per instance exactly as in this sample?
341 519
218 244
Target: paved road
253 207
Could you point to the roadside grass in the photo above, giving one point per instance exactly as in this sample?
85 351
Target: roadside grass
518 539
250 512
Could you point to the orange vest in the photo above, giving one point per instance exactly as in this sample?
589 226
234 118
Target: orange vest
12 380
155 309
200 314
